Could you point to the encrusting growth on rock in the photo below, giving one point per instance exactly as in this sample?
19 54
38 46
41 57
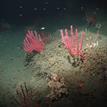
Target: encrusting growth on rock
57 86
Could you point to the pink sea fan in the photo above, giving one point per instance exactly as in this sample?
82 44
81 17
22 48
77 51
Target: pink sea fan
72 43
33 43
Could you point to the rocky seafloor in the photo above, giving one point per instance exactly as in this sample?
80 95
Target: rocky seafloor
86 83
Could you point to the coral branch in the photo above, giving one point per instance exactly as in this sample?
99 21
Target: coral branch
72 43
33 43
81 40
26 97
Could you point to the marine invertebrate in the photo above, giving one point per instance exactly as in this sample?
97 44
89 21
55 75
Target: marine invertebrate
26 97
33 43
72 44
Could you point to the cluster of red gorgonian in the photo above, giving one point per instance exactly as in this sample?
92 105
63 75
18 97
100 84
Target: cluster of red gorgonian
72 43
33 43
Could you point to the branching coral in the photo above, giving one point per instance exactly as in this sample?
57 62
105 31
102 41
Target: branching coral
26 97
33 43
72 44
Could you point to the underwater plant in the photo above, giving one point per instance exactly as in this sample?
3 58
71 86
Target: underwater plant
33 43
72 44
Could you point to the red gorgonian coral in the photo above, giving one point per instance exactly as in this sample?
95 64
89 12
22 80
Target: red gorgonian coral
33 43
72 43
